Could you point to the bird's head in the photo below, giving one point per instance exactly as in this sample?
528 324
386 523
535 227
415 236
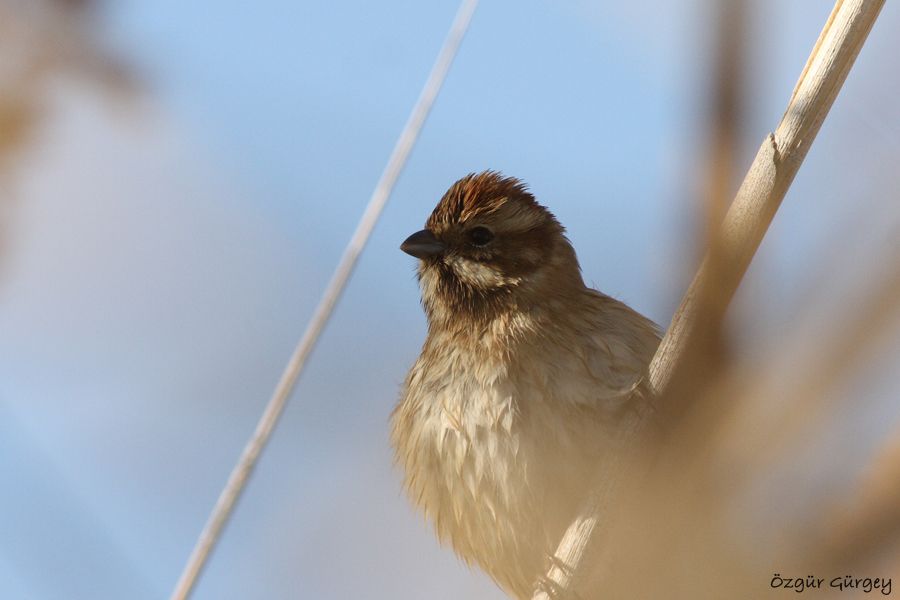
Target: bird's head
488 245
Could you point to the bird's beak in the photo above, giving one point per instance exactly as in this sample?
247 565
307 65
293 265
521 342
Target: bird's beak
422 244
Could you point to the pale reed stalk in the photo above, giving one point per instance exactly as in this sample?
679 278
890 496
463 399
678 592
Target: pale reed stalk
765 185
237 481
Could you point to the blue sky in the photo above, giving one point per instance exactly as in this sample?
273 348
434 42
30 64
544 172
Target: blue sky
168 252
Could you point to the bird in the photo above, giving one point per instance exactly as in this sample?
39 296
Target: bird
523 375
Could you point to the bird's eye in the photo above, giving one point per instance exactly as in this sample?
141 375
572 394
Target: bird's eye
480 236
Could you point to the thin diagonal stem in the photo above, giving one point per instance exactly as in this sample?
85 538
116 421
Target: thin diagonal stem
237 481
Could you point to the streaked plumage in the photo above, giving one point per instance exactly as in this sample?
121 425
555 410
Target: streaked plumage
520 380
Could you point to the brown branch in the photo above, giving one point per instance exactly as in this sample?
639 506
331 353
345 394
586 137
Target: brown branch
746 222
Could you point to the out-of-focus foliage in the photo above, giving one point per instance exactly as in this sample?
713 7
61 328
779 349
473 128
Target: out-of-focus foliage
40 39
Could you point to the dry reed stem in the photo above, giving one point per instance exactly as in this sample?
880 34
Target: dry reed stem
237 481
746 222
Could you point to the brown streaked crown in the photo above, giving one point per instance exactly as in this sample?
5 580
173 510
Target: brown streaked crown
479 195
495 247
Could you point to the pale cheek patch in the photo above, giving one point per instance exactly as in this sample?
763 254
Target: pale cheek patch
478 274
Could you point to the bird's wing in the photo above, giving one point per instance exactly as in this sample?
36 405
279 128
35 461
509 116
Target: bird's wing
615 371
619 345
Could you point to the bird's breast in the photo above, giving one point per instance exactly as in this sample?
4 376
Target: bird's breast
485 456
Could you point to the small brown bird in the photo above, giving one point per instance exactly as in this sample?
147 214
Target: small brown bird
511 404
